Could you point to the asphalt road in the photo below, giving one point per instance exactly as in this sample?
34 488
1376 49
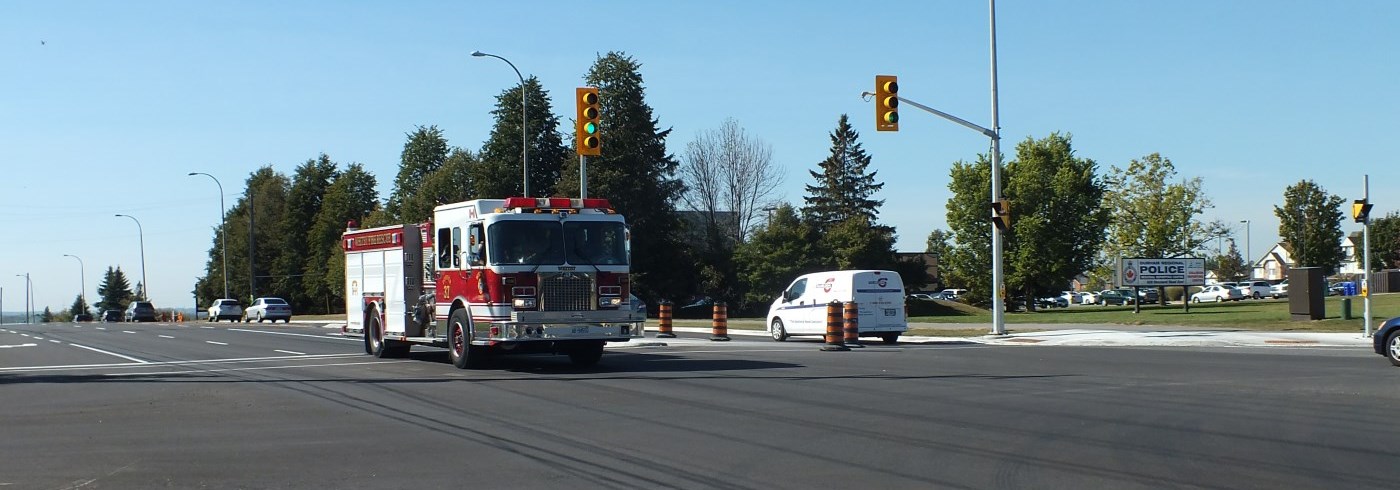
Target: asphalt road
244 406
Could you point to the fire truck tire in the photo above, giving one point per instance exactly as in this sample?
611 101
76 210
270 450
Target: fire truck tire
463 354
383 348
586 354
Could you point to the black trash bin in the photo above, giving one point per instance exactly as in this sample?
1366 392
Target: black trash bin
1346 308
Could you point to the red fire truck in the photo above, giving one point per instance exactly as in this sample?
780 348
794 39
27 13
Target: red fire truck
494 276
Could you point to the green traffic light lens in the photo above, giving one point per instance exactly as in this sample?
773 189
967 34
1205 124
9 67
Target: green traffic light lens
892 117
590 128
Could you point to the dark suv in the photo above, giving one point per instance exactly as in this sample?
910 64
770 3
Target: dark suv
140 311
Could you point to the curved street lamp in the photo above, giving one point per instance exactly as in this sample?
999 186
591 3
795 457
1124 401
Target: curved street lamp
141 234
524 136
223 241
82 279
28 287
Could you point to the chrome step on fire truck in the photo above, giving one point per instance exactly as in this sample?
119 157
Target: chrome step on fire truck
494 276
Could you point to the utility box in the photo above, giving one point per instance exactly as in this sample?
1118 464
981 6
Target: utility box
1307 288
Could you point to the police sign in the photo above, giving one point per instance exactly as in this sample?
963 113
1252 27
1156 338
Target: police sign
1162 272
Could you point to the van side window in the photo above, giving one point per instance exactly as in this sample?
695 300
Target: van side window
795 290
444 248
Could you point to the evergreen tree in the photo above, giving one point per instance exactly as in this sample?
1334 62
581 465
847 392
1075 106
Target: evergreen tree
423 153
260 208
1230 266
498 175
350 197
304 201
784 248
79 307
114 290
638 176
47 317
1310 222
843 189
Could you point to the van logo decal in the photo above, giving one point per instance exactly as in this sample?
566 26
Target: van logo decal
882 282
826 286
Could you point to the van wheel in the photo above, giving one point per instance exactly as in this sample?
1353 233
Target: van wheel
1392 348
779 333
890 338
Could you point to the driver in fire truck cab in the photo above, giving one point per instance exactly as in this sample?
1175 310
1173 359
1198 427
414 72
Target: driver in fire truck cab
528 243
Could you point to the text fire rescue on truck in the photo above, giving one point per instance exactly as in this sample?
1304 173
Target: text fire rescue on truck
516 275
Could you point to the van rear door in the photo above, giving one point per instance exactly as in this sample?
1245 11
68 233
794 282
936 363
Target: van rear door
879 296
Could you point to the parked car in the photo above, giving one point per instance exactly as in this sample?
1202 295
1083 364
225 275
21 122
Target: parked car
1217 293
1336 289
1147 295
140 311
1072 297
1052 302
921 296
225 309
82 317
268 309
1089 298
638 305
1115 297
1279 290
111 316
1254 289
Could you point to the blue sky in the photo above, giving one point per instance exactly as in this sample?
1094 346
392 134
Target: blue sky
106 106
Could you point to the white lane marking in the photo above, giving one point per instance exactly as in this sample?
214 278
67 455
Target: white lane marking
257 368
101 328
36 337
56 341
175 363
94 349
289 333
215 343
18 345
165 336
25 334
295 353
209 328
127 331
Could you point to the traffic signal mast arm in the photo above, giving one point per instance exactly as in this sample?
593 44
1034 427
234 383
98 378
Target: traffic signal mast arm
986 132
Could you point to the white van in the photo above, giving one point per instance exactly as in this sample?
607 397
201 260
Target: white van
879 297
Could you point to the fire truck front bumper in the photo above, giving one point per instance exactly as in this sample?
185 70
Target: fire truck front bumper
563 325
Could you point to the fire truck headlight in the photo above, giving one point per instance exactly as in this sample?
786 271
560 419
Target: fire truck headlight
524 303
609 302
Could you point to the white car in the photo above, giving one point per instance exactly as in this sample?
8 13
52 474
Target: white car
1254 289
1279 290
1072 297
1089 298
268 309
225 309
1217 293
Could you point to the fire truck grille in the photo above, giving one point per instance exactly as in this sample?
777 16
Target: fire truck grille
568 291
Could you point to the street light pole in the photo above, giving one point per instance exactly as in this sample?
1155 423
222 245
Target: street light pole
223 239
141 234
1247 260
82 279
524 135
28 310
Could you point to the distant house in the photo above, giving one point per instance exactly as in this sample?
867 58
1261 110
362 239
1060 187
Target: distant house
1274 265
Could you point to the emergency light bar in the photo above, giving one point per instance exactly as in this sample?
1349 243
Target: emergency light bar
556 203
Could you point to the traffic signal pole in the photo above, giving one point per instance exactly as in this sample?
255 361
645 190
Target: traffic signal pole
1366 259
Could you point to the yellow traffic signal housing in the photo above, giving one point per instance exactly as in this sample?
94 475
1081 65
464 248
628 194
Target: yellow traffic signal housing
586 140
1360 210
886 103
1001 214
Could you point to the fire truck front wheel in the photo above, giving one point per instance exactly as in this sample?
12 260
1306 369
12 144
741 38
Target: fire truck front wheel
460 350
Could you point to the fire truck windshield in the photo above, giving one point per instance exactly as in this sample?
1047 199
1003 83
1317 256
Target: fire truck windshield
576 242
595 242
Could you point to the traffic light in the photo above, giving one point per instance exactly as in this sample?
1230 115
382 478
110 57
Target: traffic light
886 103
1360 210
1001 214
586 128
